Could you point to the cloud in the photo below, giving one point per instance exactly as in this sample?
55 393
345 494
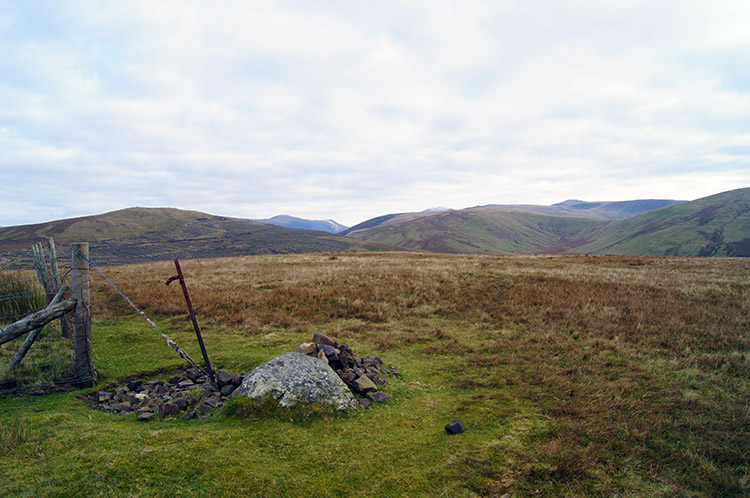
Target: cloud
353 110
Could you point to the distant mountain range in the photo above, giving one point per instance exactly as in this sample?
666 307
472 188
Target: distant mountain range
718 225
283 220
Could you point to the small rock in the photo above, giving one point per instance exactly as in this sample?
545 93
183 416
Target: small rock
168 409
380 380
364 385
211 401
308 348
319 339
379 397
193 374
103 396
223 378
236 380
188 415
329 351
176 379
366 403
202 409
182 404
191 400
455 427
146 416
185 383
228 389
134 384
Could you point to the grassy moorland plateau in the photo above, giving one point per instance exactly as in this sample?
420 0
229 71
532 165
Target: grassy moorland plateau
575 376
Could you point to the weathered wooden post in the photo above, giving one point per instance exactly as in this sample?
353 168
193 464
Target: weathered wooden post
57 283
83 367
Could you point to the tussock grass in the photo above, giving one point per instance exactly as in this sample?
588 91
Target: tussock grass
575 376
14 431
20 294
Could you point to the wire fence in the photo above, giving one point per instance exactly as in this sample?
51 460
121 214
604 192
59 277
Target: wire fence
42 360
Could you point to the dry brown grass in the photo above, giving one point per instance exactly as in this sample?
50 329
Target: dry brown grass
641 363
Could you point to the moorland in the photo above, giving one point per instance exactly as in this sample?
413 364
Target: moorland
575 376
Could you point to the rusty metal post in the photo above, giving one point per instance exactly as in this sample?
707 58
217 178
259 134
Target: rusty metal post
181 278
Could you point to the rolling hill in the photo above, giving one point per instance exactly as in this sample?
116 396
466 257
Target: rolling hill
150 234
718 225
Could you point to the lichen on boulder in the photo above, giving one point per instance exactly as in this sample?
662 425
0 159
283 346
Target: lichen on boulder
295 378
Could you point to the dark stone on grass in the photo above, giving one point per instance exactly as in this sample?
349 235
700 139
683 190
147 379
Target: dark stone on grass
193 374
203 409
211 401
455 427
118 407
364 385
228 389
223 378
366 403
168 409
380 380
379 397
182 404
236 380
134 384
188 415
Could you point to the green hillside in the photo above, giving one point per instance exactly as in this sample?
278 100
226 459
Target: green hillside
152 234
718 225
485 230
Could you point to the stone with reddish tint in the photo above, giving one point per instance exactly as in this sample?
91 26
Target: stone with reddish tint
319 339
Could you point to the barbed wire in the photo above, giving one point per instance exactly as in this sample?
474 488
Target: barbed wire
182 353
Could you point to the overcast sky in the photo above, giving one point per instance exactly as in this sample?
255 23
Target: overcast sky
354 109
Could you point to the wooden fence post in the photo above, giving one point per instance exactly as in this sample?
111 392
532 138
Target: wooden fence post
83 367
64 320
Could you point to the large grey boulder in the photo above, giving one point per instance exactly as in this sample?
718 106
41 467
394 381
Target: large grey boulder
295 378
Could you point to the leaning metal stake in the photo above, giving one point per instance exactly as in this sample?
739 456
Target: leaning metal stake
181 278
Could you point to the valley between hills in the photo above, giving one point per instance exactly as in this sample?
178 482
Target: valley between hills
718 225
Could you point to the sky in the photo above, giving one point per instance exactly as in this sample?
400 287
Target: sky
354 109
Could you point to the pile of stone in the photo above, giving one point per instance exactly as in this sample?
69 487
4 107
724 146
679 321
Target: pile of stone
361 374
190 394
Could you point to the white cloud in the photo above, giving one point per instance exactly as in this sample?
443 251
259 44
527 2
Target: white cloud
352 110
